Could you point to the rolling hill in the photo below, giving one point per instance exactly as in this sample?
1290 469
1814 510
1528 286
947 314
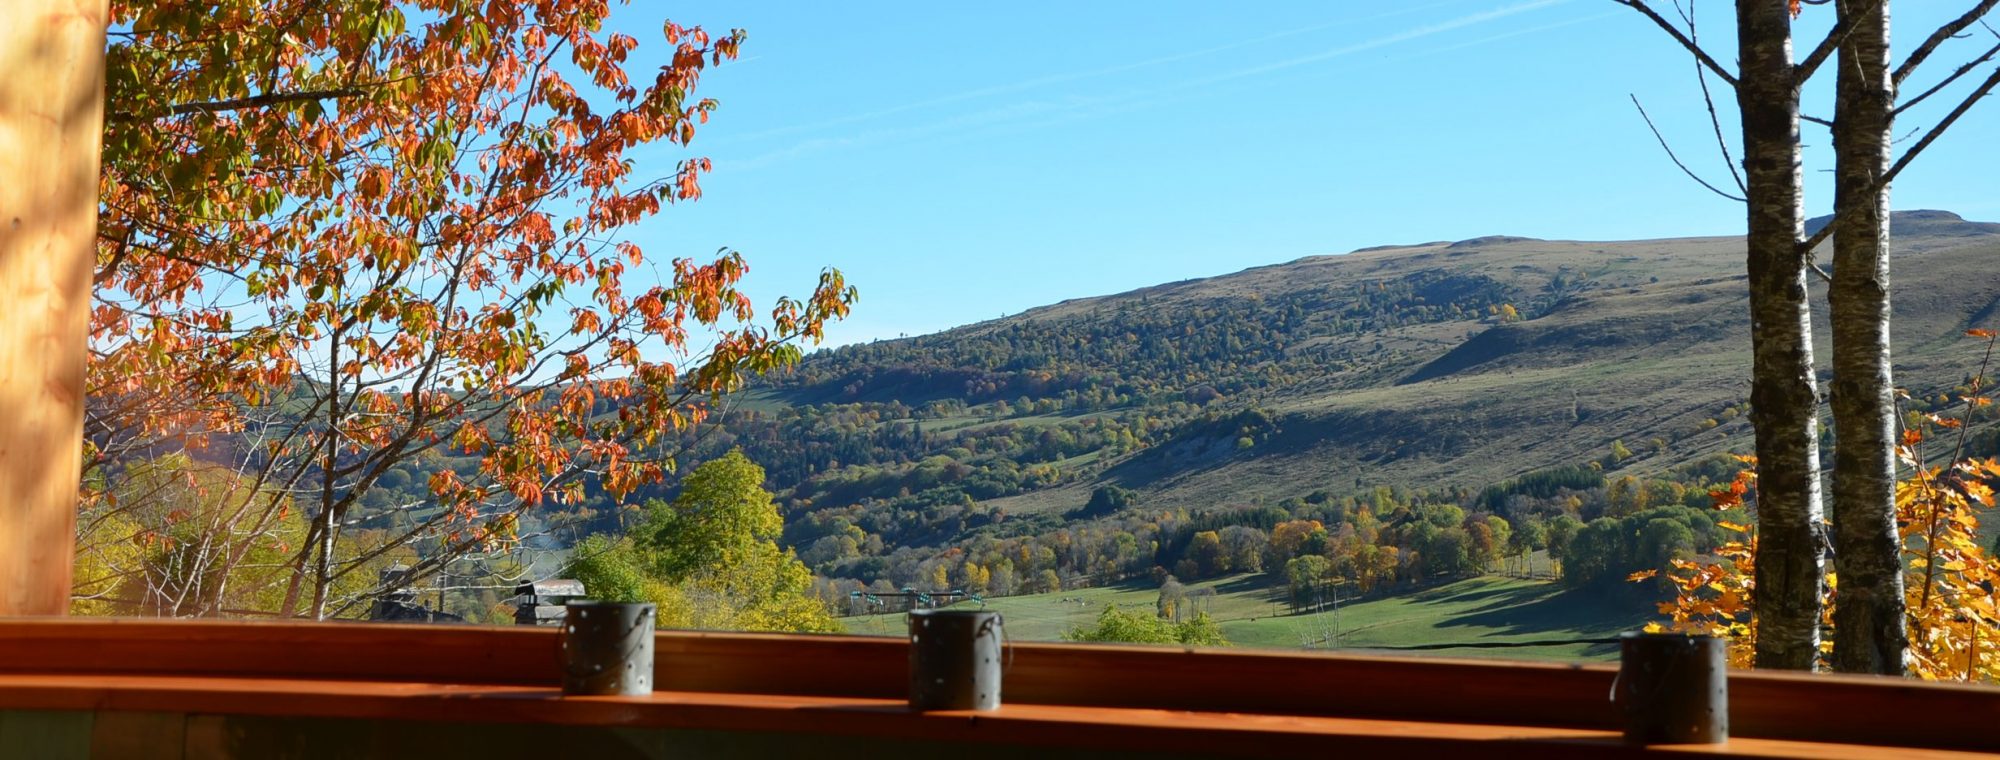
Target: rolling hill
1442 367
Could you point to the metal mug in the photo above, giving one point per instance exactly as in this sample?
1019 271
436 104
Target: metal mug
955 659
606 648
1673 688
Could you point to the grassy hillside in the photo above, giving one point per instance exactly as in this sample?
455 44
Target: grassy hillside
1250 612
1436 369
1628 339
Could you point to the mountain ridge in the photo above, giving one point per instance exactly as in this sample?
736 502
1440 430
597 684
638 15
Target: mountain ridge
1925 222
1447 367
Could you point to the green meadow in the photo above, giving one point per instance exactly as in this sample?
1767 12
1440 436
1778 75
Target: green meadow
1251 612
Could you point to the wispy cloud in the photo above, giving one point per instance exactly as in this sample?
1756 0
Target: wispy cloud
1049 112
1513 34
1013 112
1041 82
1471 19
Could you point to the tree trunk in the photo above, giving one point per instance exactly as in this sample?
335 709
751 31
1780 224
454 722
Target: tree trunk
1868 616
1791 536
323 564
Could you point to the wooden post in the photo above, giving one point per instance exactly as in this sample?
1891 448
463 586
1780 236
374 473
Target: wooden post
51 126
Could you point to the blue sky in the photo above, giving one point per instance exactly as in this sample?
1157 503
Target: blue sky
960 161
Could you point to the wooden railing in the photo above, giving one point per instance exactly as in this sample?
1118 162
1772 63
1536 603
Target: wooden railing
1054 693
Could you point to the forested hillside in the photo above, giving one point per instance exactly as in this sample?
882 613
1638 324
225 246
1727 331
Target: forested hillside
1404 413
1382 379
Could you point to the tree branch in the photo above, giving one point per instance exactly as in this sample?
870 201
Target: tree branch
1668 27
253 101
1676 159
1708 100
1929 137
266 99
1955 74
1938 37
1833 40
1985 87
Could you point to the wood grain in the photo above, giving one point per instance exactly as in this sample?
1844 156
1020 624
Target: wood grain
51 117
1844 709
1130 730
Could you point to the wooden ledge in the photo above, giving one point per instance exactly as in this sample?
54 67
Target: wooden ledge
1252 685
1125 729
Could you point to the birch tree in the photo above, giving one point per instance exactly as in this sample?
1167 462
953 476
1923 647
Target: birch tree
1783 397
1792 541
1870 620
1869 632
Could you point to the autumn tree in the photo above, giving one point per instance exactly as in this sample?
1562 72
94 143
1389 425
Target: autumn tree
1305 578
1206 553
1528 536
1115 625
1049 580
1293 537
709 558
1949 607
1624 496
1560 533
156 545
722 513
336 236
1172 600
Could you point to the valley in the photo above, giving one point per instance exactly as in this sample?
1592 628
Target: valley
1412 415
1491 611
1433 370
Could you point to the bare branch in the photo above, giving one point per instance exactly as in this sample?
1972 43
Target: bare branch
255 101
1806 246
1671 30
1708 100
1826 46
1938 37
1978 94
1955 74
1677 159
1929 137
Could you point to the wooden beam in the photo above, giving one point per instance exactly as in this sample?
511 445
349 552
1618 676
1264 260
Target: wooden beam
1776 706
836 722
51 125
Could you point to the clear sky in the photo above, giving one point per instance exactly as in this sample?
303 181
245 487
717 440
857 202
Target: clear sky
960 161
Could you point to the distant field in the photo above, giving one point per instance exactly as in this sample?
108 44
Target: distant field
1251 613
